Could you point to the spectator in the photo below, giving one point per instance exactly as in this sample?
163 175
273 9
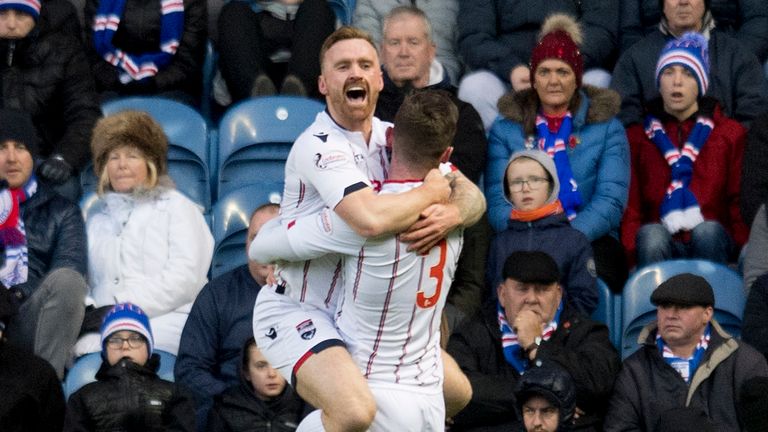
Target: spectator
531 325
138 48
754 330
738 81
440 17
45 249
266 45
593 159
497 37
408 54
546 399
744 20
755 255
688 146
754 172
128 395
537 222
220 322
31 399
147 243
686 360
262 401
45 73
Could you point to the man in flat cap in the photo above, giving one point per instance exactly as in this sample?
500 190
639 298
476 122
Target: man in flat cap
531 325
686 360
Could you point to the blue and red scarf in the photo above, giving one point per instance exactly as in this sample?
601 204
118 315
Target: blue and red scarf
686 367
680 210
554 144
13 235
513 353
135 67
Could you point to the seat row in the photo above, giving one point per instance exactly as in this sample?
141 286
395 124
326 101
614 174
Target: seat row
626 314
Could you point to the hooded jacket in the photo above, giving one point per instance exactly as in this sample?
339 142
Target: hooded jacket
598 153
647 386
47 75
716 173
239 409
130 397
579 345
551 234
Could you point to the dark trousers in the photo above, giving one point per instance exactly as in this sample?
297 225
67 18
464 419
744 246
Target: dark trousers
610 262
248 39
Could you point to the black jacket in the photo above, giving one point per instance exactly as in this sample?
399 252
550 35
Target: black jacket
754 170
754 331
579 345
139 32
470 146
129 397
238 409
47 75
648 386
31 398
55 237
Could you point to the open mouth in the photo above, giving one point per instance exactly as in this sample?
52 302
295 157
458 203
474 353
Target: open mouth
356 93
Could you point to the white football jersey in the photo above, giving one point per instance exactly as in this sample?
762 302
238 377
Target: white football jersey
393 299
326 163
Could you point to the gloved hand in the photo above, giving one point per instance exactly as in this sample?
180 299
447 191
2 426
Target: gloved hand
55 169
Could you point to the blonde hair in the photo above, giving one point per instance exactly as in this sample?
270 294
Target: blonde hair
151 182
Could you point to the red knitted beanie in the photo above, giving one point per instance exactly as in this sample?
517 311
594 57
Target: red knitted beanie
560 40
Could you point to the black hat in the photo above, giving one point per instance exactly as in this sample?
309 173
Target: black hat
684 289
554 384
17 126
531 267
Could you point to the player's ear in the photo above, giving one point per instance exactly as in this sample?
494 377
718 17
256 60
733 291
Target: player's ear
446 155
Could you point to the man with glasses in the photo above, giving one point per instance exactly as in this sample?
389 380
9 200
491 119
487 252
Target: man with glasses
530 325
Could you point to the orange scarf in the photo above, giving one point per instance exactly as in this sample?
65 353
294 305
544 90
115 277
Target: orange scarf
532 215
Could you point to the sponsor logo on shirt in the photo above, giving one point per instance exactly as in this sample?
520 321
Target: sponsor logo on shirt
330 159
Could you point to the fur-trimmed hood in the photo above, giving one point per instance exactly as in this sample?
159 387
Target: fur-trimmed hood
521 107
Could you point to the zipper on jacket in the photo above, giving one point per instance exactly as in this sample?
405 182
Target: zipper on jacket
11 49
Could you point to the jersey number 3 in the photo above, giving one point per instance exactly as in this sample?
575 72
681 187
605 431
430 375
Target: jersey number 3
436 272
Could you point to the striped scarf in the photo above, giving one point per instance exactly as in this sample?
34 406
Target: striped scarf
509 343
685 366
554 144
137 67
13 235
680 210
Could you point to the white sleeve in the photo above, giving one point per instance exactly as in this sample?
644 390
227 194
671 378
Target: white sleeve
329 166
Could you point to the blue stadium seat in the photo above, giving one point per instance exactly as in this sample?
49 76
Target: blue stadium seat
255 137
231 215
638 311
608 311
85 368
187 134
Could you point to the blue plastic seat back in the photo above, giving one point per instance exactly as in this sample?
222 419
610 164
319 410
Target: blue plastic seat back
255 137
188 160
344 10
85 368
638 310
231 215
608 311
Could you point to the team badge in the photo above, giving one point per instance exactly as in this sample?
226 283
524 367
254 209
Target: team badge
330 159
306 329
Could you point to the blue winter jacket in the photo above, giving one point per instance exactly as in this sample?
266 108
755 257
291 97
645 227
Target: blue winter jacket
220 322
598 152
568 247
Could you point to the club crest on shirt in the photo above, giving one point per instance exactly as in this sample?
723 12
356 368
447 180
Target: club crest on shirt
306 329
330 159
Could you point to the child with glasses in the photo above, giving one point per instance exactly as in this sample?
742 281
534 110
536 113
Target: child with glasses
537 223
128 394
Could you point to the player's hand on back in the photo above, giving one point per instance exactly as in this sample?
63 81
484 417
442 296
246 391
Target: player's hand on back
435 223
438 185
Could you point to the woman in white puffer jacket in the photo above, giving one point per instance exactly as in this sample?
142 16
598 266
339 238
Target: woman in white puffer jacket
147 243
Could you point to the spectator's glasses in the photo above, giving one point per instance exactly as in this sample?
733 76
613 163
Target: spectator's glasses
134 341
533 182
